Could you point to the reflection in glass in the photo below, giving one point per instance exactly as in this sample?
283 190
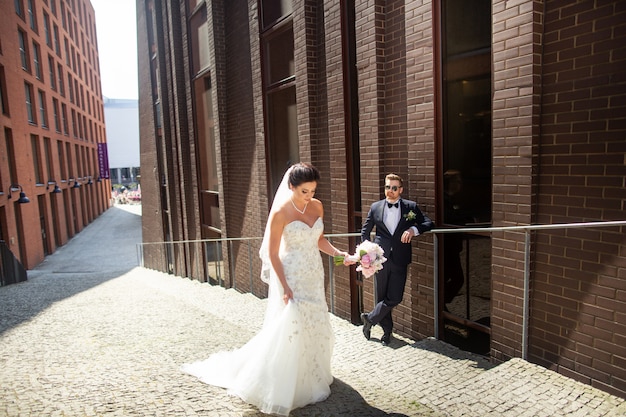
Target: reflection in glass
466 170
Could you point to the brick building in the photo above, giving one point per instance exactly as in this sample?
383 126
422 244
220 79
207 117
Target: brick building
51 125
496 113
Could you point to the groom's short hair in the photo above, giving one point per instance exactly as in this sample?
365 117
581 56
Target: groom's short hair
394 177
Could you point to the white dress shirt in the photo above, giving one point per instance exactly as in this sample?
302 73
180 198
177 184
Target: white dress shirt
391 216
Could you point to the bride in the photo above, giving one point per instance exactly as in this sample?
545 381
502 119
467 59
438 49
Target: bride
287 364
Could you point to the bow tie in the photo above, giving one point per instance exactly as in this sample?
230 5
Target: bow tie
390 205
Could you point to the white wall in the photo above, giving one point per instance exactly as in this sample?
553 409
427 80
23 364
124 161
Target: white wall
121 117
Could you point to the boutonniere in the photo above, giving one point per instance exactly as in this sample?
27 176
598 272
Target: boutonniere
410 216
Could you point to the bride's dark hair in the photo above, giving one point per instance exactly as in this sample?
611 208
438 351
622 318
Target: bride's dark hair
303 172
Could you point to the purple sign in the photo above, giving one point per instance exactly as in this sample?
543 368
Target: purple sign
103 160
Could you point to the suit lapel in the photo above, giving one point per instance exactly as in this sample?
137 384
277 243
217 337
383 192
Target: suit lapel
381 216
401 207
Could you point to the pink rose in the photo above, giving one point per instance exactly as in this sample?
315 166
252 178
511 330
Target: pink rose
366 261
367 271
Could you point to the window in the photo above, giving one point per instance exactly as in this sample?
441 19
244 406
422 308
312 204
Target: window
464 38
277 46
199 40
63 15
37 61
74 123
64 121
274 11
279 57
34 141
19 8
466 87
4 102
23 51
207 157
62 163
68 158
60 79
70 87
73 53
28 91
46 29
81 120
57 43
48 158
79 160
32 16
67 52
8 136
43 114
53 7
55 113
51 74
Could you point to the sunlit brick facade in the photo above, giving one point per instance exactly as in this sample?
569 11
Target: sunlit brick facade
51 123
521 102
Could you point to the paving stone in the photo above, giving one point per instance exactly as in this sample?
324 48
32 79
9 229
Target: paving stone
92 334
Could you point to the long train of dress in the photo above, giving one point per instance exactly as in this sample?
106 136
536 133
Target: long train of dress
287 364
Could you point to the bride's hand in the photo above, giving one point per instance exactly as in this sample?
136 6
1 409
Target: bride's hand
347 258
287 294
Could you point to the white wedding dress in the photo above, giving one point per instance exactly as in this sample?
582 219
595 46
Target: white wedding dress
287 364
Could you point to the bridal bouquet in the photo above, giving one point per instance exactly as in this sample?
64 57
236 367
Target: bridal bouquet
369 256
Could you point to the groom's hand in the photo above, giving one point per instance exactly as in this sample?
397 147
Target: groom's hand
407 235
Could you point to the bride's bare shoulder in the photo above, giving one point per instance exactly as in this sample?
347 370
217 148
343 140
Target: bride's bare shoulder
317 206
282 215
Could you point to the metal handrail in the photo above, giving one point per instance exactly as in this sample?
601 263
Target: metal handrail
527 229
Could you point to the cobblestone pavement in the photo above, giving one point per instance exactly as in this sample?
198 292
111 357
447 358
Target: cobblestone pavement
92 334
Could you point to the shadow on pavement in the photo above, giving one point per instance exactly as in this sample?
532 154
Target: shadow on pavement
102 251
343 401
452 352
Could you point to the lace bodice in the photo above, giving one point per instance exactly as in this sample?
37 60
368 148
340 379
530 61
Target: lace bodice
302 262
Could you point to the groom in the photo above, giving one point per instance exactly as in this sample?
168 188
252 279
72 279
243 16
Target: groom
397 221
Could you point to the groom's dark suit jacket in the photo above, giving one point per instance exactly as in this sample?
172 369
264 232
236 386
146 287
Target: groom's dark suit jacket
397 252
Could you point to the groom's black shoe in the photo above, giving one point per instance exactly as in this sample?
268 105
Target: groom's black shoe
386 339
367 326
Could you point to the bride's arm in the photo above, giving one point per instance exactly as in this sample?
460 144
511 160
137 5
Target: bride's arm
324 244
277 224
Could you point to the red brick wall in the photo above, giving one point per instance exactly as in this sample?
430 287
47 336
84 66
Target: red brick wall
396 117
578 324
421 157
244 152
90 200
370 70
516 47
558 157
331 131
152 220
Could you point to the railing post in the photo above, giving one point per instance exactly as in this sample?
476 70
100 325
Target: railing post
250 267
526 312
436 284
139 248
331 280
232 265
218 264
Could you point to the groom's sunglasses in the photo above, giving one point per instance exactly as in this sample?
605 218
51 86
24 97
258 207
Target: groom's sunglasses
393 188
